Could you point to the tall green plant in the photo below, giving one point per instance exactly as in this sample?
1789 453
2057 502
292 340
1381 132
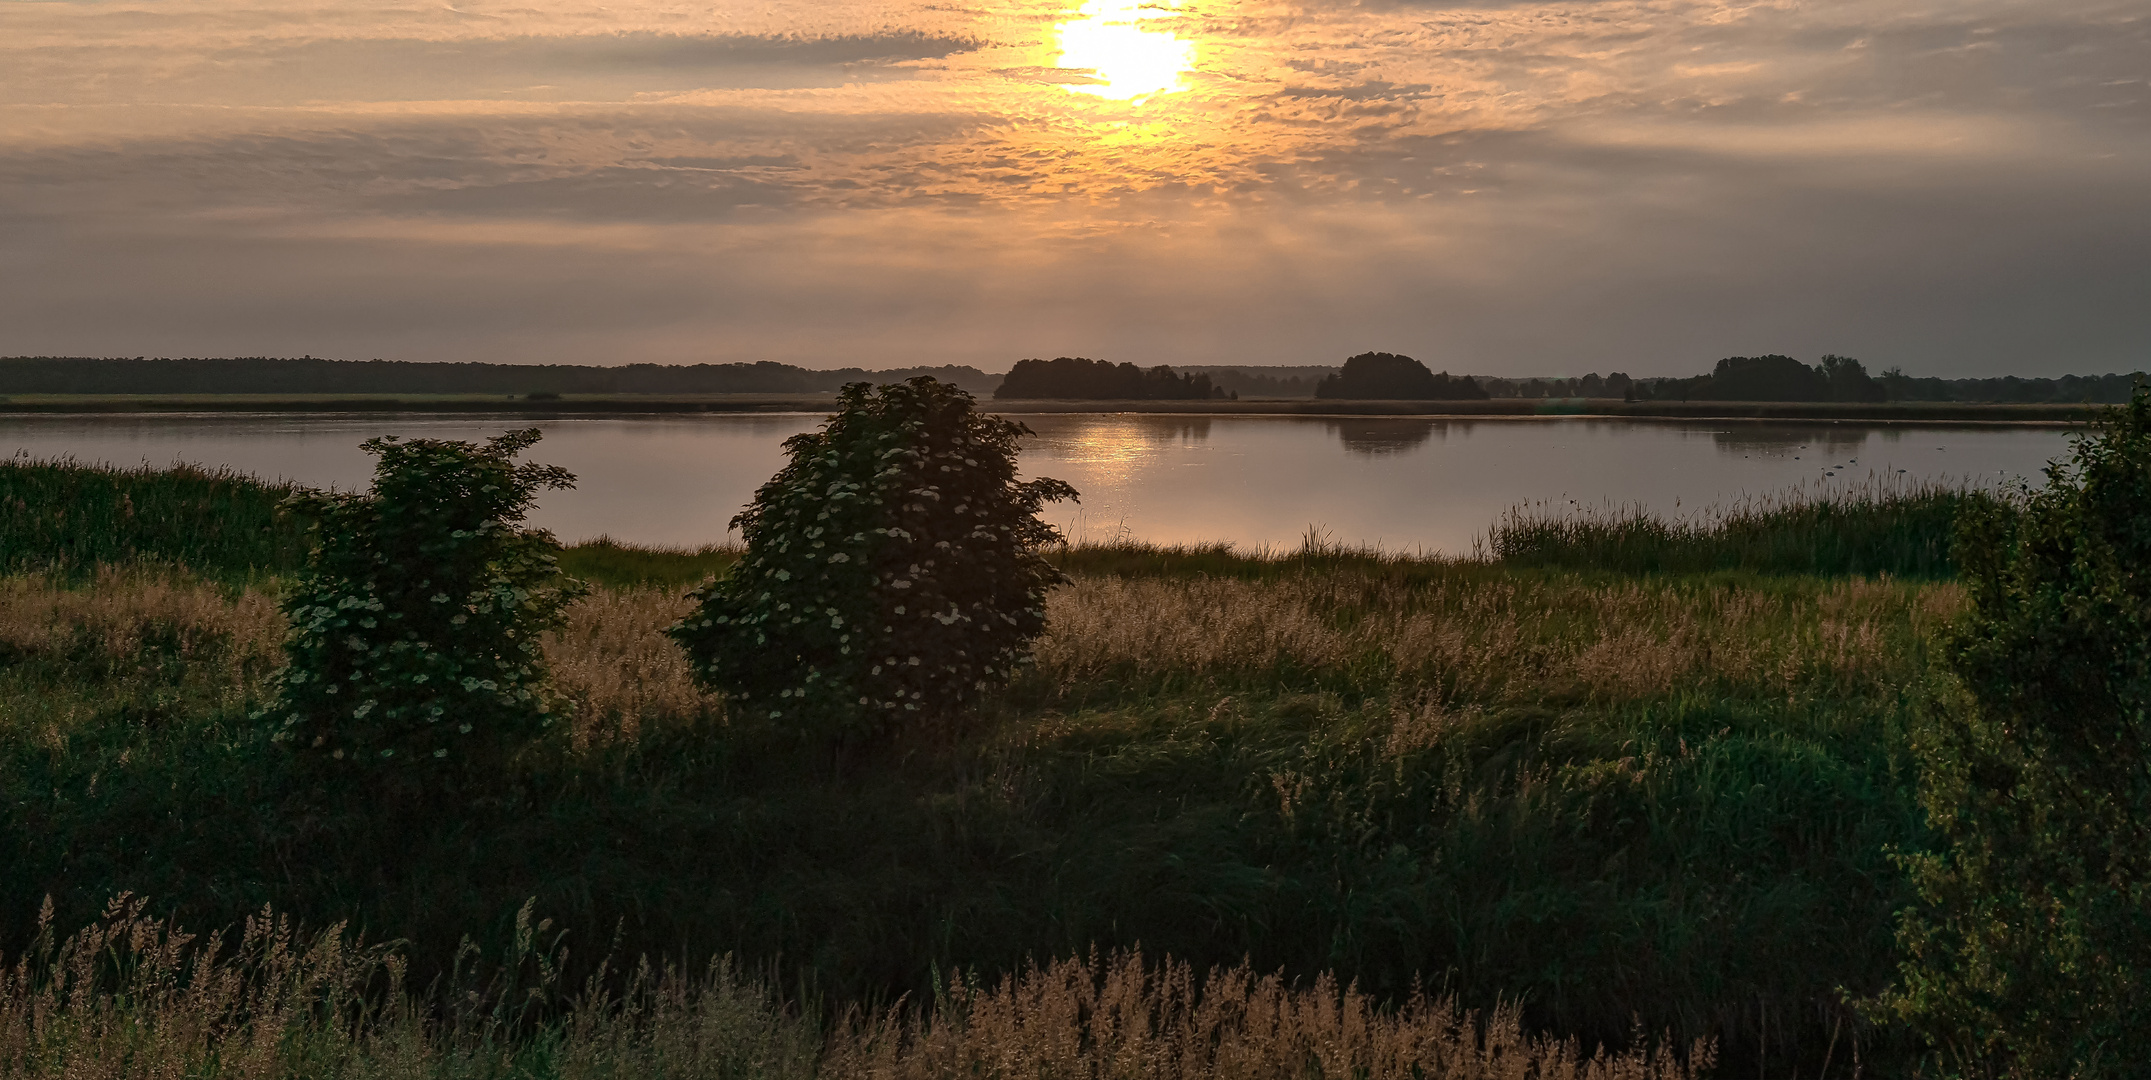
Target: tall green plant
892 568
2031 953
414 629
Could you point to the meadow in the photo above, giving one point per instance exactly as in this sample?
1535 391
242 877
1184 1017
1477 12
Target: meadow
1618 784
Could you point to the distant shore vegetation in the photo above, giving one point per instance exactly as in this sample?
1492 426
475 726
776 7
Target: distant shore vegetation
1374 376
1099 380
1764 378
316 375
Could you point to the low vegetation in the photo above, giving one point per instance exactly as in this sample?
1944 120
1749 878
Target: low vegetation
1902 530
71 519
133 996
1635 805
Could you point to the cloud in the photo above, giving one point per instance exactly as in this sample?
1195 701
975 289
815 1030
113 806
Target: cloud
1638 185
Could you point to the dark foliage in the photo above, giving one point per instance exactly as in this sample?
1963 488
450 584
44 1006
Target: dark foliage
1377 375
415 627
1264 382
2110 389
2030 952
1593 385
1766 378
891 571
1101 380
1839 378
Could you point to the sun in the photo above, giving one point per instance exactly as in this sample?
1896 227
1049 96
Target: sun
1108 37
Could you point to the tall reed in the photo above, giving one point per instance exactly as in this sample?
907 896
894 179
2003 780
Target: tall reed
68 517
1877 527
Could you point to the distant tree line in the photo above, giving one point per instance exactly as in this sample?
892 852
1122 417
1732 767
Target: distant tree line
1391 376
1776 377
314 375
1266 382
1772 377
1100 380
1588 386
1842 378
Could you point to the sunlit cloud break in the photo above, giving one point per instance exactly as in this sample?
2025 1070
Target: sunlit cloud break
1120 44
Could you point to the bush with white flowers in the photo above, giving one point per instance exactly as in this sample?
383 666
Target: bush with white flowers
892 568
415 627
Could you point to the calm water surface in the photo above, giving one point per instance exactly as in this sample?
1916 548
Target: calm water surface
1400 483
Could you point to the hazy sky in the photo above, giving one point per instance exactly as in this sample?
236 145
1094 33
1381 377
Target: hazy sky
1954 187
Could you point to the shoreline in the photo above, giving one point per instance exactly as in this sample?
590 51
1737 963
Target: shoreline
691 404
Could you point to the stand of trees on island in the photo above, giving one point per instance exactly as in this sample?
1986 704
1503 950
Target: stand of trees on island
1099 380
1380 375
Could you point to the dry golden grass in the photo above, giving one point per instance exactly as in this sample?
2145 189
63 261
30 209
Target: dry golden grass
615 664
1491 639
119 610
611 660
215 644
131 997
1100 1019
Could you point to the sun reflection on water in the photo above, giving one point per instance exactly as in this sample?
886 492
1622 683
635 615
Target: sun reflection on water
1131 60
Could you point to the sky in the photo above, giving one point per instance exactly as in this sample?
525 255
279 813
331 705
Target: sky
1958 187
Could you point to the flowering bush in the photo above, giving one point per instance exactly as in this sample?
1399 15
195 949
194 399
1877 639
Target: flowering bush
414 629
892 567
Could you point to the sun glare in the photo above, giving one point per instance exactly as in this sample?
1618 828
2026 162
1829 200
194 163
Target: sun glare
1108 37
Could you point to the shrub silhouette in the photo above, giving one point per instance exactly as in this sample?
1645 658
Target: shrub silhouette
1387 375
415 626
892 568
2029 953
1079 377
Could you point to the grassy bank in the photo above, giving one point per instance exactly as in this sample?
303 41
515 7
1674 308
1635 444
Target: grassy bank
1609 798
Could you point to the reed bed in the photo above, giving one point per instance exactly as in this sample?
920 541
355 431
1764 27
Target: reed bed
71 518
131 996
1877 526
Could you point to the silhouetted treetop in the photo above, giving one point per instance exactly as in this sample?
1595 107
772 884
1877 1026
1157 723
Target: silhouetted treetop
1391 376
1100 380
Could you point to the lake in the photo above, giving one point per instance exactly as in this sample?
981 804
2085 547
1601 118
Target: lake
1402 484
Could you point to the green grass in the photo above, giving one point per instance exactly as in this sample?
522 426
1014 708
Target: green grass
605 561
1903 532
68 517
1616 798
71 518
1706 857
